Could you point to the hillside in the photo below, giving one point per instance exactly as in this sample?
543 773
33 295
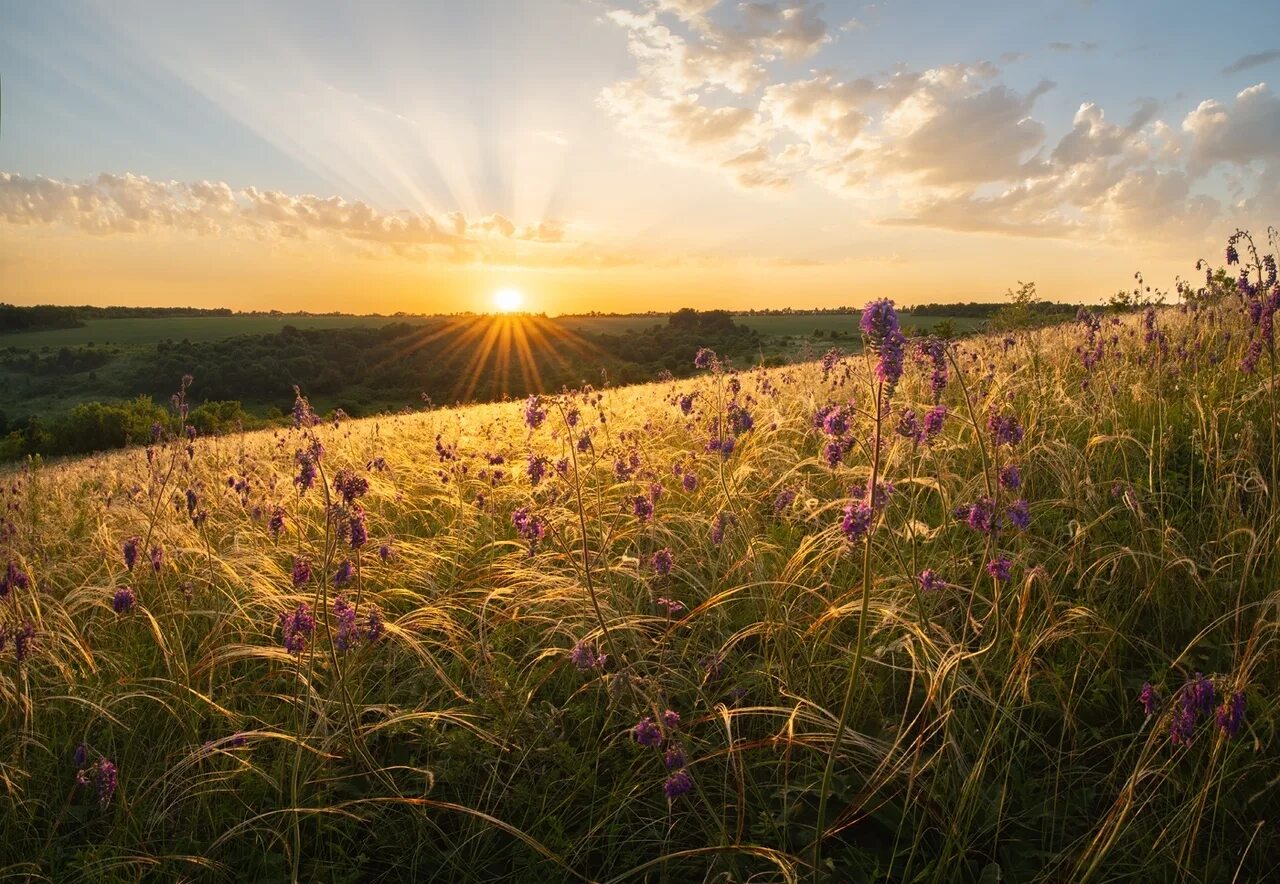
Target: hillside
664 632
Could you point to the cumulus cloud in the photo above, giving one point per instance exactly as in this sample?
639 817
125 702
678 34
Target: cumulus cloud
1253 60
951 146
1247 130
128 204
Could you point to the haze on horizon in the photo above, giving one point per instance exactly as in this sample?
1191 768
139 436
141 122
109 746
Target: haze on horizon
625 155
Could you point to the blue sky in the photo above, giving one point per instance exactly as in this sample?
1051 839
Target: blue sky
708 139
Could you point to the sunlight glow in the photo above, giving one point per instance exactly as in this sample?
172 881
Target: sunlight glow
507 300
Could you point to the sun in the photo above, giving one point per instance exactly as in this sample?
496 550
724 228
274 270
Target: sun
507 300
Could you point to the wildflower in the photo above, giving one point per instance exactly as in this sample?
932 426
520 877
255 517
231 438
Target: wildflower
131 551
785 498
346 570
13 578
856 521
686 403
102 776
671 719
835 421
157 558
674 758
297 627
301 570
933 420
307 471
646 733
124 600
534 413
1000 569
662 562
536 468
276 523
884 337
929 580
81 755
1019 514
374 626
585 656
359 531
349 486
1231 715
717 528
980 516
347 635
1004 428
909 426
22 640
704 358
690 482
1149 698
642 507
1011 478
386 553
833 453
672 606
740 420
679 783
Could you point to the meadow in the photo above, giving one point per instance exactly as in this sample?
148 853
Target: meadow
1002 608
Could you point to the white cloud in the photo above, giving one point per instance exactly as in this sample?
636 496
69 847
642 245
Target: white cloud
1238 133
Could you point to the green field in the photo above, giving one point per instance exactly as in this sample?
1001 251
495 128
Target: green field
144 332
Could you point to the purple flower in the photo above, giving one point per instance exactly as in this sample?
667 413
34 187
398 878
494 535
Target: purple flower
124 600
585 656
131 551
1231 715
534 413
81 755
646 733
909 426
359 531
690 482
835 422
297 627
704 358
679 783
1149 698
1000 568
662 562
674 758
785 498
671 606
670 719
301 570
856 521
22 640
884 337
643 508
13 578
1011 477
1004 428
930 581
980 516
157 558
536 468
933 420
104 779
686 403
346 571
722 520
276 523
350 486
1019 514
386 552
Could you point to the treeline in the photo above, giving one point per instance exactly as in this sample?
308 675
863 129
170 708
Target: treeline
48 316
248 380
1049 310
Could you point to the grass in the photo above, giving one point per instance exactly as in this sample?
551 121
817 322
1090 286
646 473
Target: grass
988 730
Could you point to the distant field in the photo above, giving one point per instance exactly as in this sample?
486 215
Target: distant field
134 332
144 332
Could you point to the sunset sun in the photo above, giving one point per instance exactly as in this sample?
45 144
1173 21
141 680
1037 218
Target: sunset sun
507 300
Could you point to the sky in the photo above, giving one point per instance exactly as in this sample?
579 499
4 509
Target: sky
625 155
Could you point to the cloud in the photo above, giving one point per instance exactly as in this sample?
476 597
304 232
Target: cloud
1239 133
1253 60
951 146
133 204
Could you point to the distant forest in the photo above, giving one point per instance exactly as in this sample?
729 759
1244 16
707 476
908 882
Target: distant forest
1046 310
46 316
248 380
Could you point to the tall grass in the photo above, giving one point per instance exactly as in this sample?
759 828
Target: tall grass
831 701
